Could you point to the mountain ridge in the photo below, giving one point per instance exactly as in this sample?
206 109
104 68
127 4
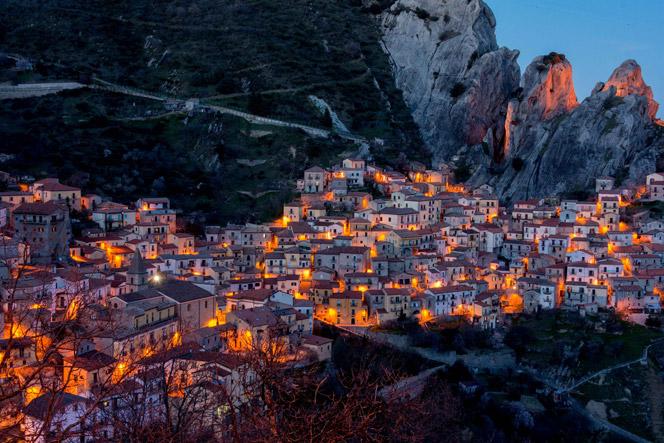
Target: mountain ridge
534 138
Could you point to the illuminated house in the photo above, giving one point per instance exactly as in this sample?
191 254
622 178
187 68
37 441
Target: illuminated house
52 411
361 281
353 170
152 203
15 198
542 292
490 237
315 179
582 272
316 211
604 184
256 326
445 300
343 259
294 211
195 307
145 323
51 190
16 352
152 231
275 263
354 163
399 218
626 297
516 249
297 260
345 308
321 290
486 309
389 303
111 216
355 200
655 186
320 346
581 295
83 372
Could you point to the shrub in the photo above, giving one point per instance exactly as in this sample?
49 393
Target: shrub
517 163
457 90
553 58
422 14
462 172
653 322
473 58
447 35
326 120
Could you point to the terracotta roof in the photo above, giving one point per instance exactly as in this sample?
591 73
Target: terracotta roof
255 295
45 405
39 208
315 340
255 317
91 361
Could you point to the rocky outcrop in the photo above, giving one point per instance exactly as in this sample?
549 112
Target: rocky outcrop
454 78
627 80
527 136
546 92
555 145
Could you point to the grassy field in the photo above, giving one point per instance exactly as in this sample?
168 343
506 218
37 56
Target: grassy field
584 345
626 393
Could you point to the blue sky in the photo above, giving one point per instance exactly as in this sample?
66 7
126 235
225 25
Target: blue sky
595 35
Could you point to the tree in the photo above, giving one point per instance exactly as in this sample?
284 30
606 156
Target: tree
326 119
518 338
653 322
256 104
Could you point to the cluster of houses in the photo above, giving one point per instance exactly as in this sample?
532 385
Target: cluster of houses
361 246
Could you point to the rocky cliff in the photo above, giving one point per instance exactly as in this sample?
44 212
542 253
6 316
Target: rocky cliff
555 145
454 77
528 136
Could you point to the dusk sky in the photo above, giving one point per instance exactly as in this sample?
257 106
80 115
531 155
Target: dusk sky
595 35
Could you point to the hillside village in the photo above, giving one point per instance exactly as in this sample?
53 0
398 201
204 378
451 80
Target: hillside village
361 247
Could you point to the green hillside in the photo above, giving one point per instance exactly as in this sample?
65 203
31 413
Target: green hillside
260 56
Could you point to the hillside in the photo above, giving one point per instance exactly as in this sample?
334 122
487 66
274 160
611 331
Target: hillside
417 79
259 56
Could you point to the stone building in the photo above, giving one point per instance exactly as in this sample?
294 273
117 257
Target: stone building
45 227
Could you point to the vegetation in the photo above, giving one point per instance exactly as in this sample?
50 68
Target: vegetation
583 344
656 208
457 90
261 56
626 393
98 141
517 163
553 58
462 171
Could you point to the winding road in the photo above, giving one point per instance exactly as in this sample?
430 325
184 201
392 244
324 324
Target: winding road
39 89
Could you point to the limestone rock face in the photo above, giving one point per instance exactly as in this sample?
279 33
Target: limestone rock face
546 91
548 86
627 80
527 136
555 145
454 78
